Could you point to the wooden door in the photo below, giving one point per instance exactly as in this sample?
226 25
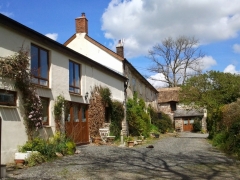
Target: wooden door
84 125
76 123
188 124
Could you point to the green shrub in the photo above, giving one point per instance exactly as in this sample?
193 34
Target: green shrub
164 123
137 117
35 158
117 115
219 139
48 148
154 129
197 125
70 147
37 144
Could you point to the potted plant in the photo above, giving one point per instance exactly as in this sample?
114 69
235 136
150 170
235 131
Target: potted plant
97 139
129 141
156 134
139 140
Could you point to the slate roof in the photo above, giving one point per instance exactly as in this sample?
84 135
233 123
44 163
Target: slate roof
187 113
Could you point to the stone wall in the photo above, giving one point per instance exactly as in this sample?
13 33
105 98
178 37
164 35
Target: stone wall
179 124
96 114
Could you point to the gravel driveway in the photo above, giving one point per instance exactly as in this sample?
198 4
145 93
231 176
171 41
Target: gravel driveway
189 156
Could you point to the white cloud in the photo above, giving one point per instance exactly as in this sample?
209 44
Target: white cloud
8 14
53 36
207 62
154 80
143 23
236 48
231 69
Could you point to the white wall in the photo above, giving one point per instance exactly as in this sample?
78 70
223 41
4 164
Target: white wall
83 46
13 133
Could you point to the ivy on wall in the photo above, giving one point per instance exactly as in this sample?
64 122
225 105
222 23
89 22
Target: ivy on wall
100 98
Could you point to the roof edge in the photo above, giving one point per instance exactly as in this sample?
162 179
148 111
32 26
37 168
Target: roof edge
144 79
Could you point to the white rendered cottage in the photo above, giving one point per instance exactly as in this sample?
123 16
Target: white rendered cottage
61 71
84 44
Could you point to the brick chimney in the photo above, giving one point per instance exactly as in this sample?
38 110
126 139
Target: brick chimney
81 24
120 49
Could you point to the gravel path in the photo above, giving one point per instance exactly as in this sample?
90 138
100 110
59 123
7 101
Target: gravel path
189 156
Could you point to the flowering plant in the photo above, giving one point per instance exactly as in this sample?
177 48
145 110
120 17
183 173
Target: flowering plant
16 68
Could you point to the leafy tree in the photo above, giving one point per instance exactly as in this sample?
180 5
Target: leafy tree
176 59
211 90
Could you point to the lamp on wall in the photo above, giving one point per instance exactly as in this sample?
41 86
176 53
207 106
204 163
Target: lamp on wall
86 95
126 84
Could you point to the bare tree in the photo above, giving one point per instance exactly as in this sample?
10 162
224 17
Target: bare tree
176 59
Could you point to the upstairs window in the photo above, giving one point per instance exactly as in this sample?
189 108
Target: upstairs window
45 110
74 77
173 106
8 98
39 65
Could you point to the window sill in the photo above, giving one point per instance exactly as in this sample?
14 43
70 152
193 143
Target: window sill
44 87
75 94
47 126
10 107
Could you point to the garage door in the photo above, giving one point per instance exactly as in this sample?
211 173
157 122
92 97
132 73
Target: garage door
188 124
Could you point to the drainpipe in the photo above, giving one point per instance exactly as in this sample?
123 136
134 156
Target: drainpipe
1 146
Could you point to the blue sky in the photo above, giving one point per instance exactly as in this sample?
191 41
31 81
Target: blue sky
142 24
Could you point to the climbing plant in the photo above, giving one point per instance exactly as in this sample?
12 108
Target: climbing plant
105 93
16 69
115 108
58 111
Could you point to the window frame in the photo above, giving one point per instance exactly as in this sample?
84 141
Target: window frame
48 100
74 78
38 77
7 103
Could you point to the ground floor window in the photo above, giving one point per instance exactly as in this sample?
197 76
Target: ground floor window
8 98
45 110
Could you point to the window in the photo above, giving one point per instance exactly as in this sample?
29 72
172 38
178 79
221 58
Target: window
8 98
74 77
39 65
173 106
45 113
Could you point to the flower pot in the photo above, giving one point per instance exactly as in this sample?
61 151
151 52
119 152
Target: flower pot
139 141
19 161
110 139
97 140
3 170
130 143
22 156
